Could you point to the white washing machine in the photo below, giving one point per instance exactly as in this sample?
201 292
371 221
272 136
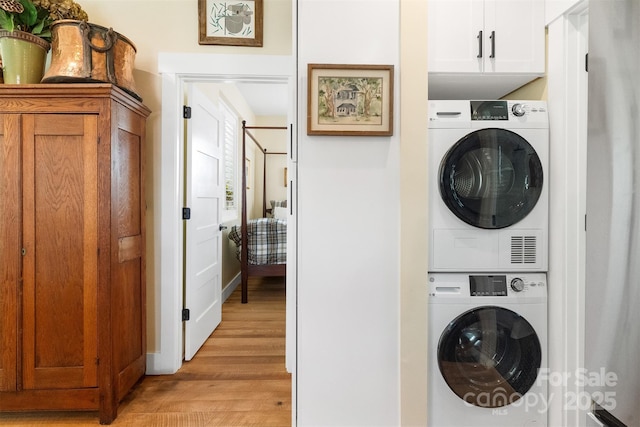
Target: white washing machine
488 186
487 344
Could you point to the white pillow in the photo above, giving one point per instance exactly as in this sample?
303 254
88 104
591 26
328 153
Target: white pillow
280 212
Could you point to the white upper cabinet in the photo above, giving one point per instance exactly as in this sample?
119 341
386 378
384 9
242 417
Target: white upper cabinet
517 27
486 37
474 36
455 28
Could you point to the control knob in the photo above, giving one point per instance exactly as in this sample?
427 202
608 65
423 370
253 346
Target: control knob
518 110
517 285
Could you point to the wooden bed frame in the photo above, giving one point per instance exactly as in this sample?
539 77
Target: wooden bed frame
247 269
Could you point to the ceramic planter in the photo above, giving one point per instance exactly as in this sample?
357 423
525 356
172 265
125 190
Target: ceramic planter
23 57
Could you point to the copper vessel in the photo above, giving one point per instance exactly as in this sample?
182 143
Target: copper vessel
85 52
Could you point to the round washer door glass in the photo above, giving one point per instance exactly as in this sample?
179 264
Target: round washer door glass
491 178
489 356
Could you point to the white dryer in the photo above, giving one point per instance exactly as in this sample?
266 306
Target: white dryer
487 345
488 185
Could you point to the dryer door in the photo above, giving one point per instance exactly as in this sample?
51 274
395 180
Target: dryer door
489 356
491 178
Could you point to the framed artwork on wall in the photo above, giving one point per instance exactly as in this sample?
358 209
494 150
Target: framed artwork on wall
351 100
231 23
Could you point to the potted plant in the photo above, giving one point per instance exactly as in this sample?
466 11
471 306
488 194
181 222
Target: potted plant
25 35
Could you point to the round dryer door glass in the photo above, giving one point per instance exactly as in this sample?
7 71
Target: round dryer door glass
489 356
491 178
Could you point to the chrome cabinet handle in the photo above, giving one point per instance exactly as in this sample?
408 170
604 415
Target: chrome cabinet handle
222 227
479 44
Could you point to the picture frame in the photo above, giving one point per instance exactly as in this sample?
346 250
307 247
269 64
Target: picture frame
350 100
230 22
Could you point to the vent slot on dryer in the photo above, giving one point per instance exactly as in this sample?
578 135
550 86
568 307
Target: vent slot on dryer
523 249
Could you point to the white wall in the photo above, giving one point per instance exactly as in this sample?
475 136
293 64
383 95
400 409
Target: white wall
348 268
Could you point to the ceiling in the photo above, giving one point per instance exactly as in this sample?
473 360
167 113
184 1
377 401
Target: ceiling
266 99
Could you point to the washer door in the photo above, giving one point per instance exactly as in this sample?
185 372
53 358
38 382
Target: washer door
491 178
489 356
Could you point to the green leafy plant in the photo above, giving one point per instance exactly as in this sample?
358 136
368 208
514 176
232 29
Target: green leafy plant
36 16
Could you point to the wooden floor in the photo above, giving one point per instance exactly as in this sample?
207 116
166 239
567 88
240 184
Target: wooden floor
238 378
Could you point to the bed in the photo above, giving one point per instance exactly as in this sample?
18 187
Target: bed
261 243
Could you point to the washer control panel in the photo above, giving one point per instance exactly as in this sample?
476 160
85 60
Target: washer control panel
497 285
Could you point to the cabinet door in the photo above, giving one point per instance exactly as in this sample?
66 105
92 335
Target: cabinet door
515 36
456 32
9 247
128 243
60 235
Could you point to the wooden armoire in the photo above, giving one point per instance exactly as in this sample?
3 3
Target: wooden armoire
72 247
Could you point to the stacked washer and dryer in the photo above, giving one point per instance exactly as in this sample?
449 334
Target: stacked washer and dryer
488 213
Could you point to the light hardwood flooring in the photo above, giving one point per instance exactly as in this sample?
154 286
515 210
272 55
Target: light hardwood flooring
238 378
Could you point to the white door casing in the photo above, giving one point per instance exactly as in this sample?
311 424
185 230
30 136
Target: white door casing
567 104
204 192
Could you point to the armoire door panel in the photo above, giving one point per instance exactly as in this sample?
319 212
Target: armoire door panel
128 181
60 199
128 267
128 323
9 247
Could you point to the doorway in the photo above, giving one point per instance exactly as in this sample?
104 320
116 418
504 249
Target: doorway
179 70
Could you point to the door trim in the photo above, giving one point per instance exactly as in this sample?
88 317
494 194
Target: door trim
177 69
567 208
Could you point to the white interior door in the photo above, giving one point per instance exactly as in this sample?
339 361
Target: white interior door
204 192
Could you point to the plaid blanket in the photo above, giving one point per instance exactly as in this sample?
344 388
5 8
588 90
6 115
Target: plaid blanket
267 241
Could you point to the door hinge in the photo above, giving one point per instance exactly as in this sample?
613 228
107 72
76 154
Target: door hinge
186 112
186 213
185 314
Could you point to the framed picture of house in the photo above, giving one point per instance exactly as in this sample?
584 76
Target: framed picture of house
355 100
230 22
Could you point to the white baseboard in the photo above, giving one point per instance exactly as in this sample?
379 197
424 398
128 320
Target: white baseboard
159 364
231 286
